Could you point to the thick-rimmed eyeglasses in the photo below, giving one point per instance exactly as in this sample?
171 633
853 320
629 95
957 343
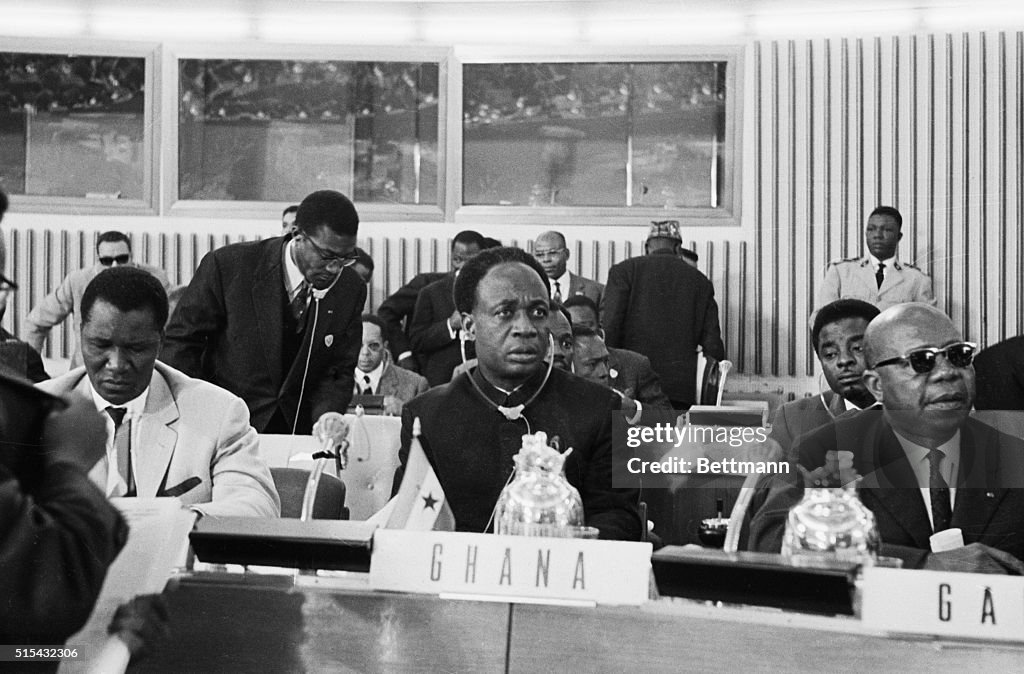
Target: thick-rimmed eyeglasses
7 284
923 361
333 261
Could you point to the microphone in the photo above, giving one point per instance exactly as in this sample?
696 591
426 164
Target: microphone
331 430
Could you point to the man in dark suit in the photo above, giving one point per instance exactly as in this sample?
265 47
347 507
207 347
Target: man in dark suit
627 370
662 307
631 378
276 322
1000 372
838 340
435 331
473 426
551 251
926 465
397 310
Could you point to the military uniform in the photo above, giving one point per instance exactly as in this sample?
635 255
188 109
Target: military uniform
855 278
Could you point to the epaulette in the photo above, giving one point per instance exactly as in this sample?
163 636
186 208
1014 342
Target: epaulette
845 259
910 266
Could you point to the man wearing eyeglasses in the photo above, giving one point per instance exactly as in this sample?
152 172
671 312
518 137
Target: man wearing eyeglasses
15 355
551 251
926 467
277 322
113 249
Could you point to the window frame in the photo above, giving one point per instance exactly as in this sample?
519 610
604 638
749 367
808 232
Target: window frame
173 53
149 51
728 215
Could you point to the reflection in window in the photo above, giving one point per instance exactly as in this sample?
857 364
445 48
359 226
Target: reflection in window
594 134
72 125
278 130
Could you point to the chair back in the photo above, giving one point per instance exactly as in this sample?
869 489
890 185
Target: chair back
710 382
291 487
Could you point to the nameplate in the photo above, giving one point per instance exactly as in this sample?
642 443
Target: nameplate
533 569
965 605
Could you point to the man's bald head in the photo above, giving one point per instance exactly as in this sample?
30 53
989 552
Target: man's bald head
896 322
927 408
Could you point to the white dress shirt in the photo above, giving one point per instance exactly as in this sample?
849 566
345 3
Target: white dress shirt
374 375
563 285
949 468
115 484
293 277
887 262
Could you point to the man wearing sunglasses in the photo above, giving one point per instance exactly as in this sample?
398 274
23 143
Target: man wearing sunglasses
113 249
926 465
277 322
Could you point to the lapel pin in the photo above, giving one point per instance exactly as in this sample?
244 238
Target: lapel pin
990 494
328 340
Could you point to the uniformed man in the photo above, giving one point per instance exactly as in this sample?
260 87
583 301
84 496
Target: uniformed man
878 277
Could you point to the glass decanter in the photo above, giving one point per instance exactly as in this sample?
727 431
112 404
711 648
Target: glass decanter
539 501
831 522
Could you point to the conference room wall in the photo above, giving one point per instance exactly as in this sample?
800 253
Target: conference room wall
930 123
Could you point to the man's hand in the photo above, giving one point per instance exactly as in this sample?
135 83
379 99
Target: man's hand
141 623
629 406
392 406
975 558
455 320
76 435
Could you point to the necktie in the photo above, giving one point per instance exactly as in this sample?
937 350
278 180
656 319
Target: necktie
558 292
367 389
122 447
299 303
880 275
942 511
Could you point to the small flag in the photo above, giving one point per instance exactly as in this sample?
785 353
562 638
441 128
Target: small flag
420 504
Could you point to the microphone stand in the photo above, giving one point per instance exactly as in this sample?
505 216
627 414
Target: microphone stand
332 430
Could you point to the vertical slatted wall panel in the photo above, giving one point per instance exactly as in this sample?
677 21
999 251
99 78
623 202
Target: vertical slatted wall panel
929 123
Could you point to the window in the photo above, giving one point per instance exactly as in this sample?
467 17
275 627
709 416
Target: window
276 130
73 126
641 138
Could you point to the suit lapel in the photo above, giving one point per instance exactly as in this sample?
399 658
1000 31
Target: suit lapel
893 486
977 498
388 384
574 286
836 404
893 278
156 437
98 473
268 298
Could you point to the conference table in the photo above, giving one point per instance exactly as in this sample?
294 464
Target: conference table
223 622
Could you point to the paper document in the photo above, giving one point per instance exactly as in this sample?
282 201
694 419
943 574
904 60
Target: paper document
157 543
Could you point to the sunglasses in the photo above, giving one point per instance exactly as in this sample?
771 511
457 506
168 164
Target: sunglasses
923 361
106 261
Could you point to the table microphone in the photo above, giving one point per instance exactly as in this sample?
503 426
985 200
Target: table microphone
331 430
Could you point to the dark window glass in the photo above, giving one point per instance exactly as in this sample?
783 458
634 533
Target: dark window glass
594 134
278 130
72 126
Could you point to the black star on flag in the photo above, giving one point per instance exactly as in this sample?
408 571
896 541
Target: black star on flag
429 501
